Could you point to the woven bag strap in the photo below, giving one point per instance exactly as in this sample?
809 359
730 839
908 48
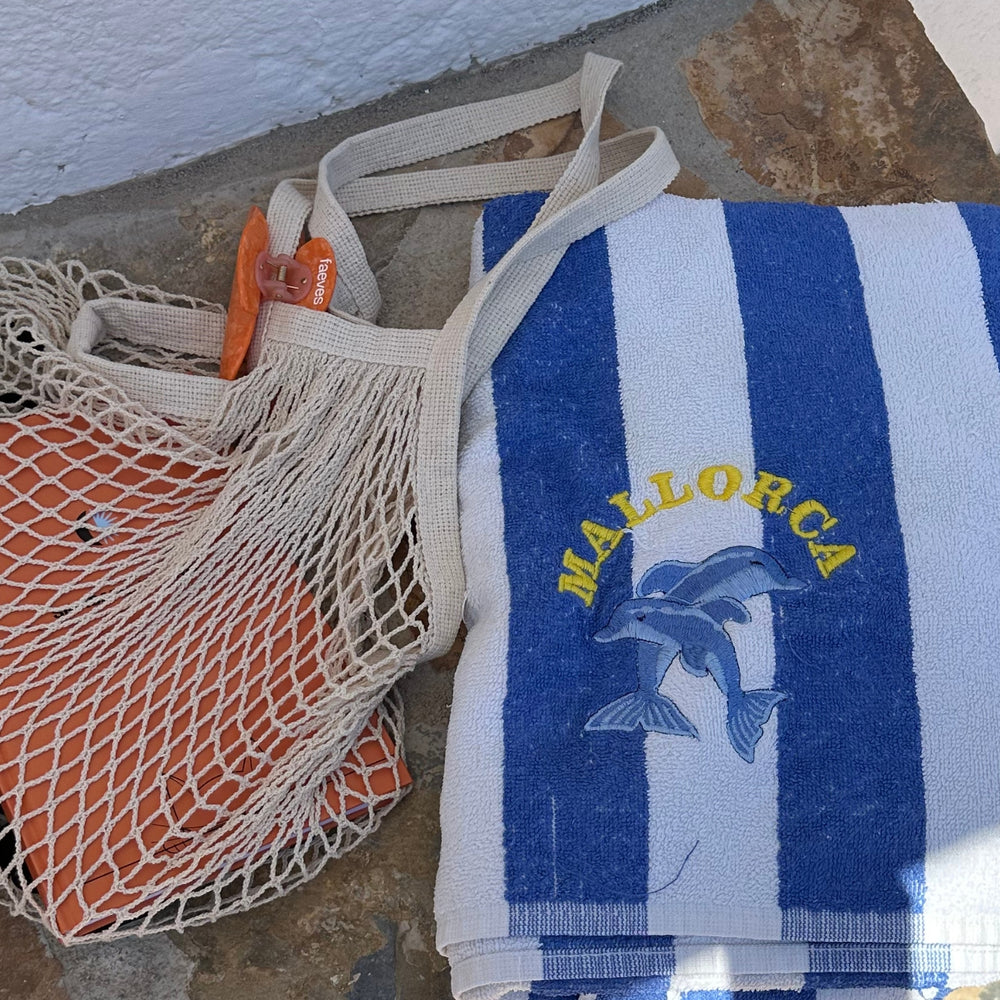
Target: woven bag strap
345 187
590 187
594 185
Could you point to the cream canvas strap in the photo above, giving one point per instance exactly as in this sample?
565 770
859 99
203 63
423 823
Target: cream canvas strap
594 185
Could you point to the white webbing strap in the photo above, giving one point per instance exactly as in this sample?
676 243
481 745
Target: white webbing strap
478 182
597 183
404 143
473 337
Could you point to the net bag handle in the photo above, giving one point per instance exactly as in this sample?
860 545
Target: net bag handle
595 184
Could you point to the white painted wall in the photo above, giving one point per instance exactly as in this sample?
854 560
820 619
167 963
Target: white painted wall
96 91
967 34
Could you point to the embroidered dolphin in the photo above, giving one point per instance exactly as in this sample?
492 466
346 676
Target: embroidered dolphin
680 610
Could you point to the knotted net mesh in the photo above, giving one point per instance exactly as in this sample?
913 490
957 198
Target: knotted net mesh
201 620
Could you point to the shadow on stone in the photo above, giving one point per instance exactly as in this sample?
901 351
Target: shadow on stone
374 976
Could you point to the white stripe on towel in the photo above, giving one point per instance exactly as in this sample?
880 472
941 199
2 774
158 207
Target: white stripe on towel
684 397
471 873
942 390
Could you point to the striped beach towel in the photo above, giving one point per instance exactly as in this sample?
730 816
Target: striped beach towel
728 713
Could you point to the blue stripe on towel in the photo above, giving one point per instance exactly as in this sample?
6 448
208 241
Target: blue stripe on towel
805 994
851 809
983 223
881 980
645 988
575 808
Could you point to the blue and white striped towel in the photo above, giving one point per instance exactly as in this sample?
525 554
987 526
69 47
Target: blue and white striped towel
728 713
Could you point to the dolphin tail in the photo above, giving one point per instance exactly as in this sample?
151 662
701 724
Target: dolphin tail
642 709
747 718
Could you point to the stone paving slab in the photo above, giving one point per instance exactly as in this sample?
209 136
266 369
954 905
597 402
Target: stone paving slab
843 102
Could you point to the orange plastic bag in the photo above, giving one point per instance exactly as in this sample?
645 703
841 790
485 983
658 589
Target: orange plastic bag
107 780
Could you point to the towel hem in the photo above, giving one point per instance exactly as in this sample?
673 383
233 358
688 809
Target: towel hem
767 968
697 920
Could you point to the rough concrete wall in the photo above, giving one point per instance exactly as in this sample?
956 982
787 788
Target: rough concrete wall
94 93
967 34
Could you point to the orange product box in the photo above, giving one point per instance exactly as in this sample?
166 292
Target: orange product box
135 752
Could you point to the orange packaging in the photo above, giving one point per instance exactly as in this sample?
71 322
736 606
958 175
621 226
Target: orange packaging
114 760
244 299
317 255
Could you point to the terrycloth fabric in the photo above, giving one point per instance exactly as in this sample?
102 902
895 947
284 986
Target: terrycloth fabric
728 713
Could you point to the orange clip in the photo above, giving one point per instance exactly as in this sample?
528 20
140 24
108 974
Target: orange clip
307 279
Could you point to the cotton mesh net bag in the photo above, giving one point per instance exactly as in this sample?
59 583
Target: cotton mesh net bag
209 588
180 706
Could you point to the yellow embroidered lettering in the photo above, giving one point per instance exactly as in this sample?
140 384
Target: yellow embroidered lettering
632 516
602 540
581 579
662 481
707 478
582 576
771 488
829 557
803 510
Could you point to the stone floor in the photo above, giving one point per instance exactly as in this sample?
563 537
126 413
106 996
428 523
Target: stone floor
834 101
